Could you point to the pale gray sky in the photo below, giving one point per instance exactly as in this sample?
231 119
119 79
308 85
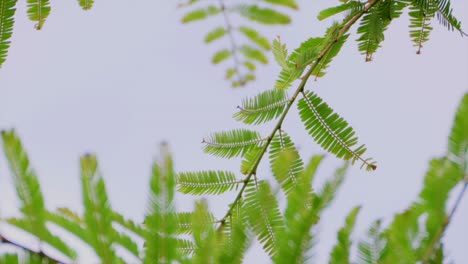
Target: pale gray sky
121 78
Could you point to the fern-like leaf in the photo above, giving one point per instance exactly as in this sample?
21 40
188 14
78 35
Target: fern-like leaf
328 191
285 162
330 130
237 238
232 143
458 139
341 252
38 11
421 13
7 13
98 213
253 54
250 160
86 4
29 193
371 29
281 54
160 220
319 69
184 221
204 235
207 182
262 212
262 108
331 11
372 248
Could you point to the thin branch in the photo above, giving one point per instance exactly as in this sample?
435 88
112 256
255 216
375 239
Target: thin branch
227 21
343 30
445 223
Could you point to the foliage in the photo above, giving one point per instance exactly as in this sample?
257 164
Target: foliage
246 45
285 231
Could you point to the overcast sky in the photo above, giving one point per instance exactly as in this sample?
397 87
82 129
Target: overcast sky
123 77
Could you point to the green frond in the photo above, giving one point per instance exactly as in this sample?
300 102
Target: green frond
215 34
98 213
255 37
281 54
200 14
328 191
262 212
128 224
262 108
86 4
38 11
232 143
262 15
221 56
297 61
207 182
372 248
371 31
238 239
253 54
184 246
341 251
205 237
29 193
402 234
287 3
421 13
184 221
331 11
250 159
285 162
458 139
330 130
127 243
45 237
160 220
446 18
26 182
319 70
312 167
249 65
300 217
71 224
7 13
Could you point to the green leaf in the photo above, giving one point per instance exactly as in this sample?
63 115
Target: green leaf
281 54
458 139
207 182
86 4
255 37
160 219
253 54
297 61
262 15
331 11
221 56
200 14
371 30
446 18
285 162
320 67
128 224
184 221
215 34
329 130
232 143
262 212
341 252
288 3
38 11
205 237
250 160
238 239
421 12
372 248
328 192
263 107
29 193
98 213
7 13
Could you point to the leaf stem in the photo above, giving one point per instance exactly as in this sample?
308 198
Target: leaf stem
300 89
